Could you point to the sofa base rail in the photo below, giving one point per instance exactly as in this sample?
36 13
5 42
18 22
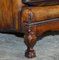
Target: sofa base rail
34 29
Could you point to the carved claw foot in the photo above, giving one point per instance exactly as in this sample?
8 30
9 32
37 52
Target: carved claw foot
30 40
30 53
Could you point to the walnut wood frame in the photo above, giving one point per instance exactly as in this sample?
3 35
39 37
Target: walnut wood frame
31 33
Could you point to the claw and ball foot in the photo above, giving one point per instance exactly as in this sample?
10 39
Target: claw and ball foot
30 40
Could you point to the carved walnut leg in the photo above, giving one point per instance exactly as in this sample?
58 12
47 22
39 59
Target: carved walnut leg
29 37
30 40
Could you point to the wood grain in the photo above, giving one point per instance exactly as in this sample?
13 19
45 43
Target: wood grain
44 27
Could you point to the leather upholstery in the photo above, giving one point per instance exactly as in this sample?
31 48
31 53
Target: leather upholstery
41 13
9 14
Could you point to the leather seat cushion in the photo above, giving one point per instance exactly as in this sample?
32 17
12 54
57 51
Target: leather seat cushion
40 2
41 13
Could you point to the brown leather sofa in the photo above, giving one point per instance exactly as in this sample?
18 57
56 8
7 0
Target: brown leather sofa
31 17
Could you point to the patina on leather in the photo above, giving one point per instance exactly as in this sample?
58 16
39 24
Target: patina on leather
41 13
